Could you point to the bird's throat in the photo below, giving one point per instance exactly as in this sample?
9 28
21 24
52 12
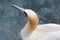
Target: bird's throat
31 26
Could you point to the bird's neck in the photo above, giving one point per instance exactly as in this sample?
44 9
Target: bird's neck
29 27
32 25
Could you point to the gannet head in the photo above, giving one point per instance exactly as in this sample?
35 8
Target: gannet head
30 14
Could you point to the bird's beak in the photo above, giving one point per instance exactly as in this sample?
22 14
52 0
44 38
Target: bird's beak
19 9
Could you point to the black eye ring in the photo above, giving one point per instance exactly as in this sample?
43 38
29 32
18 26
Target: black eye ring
25 14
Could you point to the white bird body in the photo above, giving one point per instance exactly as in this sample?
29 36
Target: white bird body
44 32
33 31
51 36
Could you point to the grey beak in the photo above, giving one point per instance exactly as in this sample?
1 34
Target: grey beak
19 9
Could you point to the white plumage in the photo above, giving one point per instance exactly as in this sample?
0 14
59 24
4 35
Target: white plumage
44 32
33 31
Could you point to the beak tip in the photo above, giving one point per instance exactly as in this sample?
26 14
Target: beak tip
12 5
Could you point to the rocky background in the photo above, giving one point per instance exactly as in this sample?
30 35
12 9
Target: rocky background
12 21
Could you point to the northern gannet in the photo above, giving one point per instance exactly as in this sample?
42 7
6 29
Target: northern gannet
33 31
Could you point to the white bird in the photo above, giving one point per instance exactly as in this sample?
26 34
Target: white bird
33 31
